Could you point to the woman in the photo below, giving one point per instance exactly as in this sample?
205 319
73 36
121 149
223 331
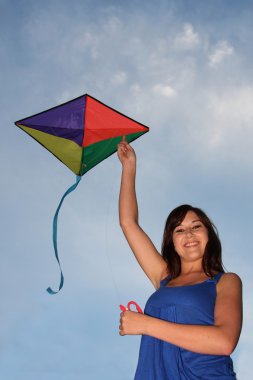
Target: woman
192 322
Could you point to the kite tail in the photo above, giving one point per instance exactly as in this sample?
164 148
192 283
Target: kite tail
72 188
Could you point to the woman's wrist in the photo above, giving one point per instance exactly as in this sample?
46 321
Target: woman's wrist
147 325
129 167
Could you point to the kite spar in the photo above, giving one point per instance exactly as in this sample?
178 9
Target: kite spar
80 133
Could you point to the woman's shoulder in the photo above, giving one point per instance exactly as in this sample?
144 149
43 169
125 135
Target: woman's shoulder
230 276
230 280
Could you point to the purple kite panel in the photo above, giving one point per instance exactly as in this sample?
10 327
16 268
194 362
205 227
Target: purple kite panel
66 120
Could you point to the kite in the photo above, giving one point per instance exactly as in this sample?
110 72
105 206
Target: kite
80 133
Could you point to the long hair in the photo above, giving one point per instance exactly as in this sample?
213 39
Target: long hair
211 262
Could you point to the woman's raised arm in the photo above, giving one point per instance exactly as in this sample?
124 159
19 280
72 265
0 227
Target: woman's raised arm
144 250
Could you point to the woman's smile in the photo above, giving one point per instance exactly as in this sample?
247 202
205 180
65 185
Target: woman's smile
191 244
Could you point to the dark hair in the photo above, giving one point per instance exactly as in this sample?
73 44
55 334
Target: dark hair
211 262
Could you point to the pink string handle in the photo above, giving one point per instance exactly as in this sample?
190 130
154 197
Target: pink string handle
138 308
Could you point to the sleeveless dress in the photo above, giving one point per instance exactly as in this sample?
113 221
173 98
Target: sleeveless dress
188 304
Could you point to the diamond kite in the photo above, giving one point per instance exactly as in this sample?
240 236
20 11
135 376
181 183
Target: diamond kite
81 133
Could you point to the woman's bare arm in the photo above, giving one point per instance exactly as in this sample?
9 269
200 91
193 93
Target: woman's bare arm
144 250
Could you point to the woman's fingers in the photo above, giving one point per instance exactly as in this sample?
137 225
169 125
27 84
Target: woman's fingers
125 152
123 143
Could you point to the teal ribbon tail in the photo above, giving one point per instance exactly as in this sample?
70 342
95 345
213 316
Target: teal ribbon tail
72 188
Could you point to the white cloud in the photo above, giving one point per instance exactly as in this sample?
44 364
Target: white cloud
112 25
119 78
222 50
219 122
231 115
136 89
188 39
86 42
164 90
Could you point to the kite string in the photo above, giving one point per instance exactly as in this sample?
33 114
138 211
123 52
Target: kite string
110 266
55 221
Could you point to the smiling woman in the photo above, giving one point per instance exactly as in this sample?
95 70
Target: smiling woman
192 323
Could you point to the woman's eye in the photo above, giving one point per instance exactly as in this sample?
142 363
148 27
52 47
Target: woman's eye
196 227
179 231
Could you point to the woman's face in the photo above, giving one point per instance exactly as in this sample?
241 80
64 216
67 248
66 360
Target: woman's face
190 238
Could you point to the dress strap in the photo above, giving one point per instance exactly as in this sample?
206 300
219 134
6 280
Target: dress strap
165 281
217 277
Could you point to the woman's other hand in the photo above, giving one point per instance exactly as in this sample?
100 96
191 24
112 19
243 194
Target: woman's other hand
132 323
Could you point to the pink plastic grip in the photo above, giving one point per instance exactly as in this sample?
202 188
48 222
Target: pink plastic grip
138 308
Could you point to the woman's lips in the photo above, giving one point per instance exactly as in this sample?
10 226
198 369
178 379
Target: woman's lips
191 244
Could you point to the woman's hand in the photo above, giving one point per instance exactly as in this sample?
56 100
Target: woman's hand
126 153
132 323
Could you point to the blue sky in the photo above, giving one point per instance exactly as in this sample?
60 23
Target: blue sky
184 68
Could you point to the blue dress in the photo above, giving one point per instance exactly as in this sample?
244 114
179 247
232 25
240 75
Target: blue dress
193 305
